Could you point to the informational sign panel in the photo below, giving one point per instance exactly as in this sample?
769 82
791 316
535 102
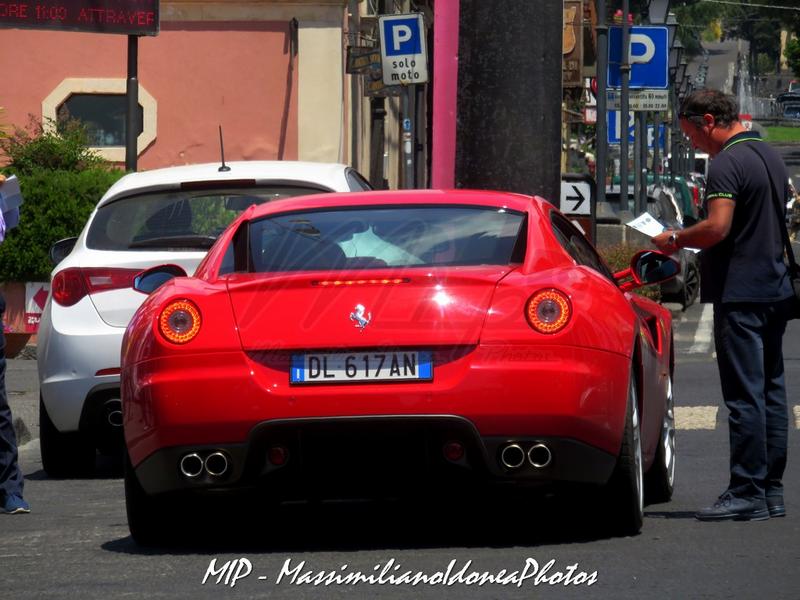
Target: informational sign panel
129 17
579 202
403 54
639 100
572 44
648 57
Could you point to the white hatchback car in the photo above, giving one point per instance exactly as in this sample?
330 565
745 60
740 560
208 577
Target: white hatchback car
170 215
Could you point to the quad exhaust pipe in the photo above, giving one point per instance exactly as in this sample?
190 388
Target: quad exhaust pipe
540 456
192 465
513 456
216 464
113 408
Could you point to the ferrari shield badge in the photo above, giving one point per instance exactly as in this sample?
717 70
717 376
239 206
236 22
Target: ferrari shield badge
361 317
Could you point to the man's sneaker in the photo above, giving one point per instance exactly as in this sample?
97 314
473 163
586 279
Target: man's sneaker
15 505
776 506
730 507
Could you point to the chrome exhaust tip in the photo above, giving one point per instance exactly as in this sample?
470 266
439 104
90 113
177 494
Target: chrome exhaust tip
216 464
512 456
191 465
113 408
540 456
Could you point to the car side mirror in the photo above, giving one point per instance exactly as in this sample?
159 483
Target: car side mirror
647 267
61 249
150 280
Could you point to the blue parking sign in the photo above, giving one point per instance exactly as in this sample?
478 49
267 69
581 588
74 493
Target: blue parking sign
402 36
404 59
615 128
649 57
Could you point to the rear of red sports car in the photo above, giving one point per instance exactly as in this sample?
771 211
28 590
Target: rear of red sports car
383 340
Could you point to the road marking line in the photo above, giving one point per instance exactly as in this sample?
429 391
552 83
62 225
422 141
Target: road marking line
796 411
702 337
696 417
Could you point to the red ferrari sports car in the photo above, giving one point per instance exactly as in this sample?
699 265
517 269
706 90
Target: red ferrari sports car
361 343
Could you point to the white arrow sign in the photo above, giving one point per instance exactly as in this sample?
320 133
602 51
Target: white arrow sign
576 198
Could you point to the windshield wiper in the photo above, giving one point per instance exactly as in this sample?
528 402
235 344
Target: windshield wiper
176 241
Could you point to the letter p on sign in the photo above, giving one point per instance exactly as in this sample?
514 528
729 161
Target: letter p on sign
637 41
400 34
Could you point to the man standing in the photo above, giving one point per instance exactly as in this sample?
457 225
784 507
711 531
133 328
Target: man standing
11 481
744 275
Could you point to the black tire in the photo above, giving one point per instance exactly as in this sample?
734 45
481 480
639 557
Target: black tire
626 487
149 517
660 479
691 285
64 454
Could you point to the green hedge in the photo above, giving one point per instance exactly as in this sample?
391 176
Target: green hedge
57 205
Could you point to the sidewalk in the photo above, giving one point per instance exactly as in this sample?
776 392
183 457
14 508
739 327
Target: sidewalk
22 388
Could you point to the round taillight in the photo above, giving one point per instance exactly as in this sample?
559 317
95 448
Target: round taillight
179 321
548 311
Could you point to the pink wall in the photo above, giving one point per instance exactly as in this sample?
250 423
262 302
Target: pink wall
201 75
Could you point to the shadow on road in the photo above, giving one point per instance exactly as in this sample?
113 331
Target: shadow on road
349 526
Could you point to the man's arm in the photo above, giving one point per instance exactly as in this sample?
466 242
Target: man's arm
704 234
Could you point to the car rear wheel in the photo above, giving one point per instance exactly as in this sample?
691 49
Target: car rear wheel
660 479
63 454
148 516
691 285
626 487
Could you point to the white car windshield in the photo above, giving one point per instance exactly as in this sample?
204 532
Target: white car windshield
177 219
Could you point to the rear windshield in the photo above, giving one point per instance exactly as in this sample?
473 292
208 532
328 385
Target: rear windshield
378 237
177 219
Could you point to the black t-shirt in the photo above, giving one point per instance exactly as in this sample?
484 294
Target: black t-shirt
747 266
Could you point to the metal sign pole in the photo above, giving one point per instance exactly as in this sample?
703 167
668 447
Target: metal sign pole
132 93
625 72
601 126
408 139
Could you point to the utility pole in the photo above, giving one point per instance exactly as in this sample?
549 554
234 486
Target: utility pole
625 72
601 127
132 96
377 109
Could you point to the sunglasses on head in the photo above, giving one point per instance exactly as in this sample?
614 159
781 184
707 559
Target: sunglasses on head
688 115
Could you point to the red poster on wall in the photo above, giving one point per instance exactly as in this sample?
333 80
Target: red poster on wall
35 299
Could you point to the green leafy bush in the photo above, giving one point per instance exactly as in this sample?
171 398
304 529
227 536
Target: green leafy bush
618 257
61 180
43 146
57 205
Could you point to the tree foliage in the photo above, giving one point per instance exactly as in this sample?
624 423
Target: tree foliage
792 53
749 20
41 146
57 205
61 180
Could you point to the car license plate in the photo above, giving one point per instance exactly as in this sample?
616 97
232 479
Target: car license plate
337 367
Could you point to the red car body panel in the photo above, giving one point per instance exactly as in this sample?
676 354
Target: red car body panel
490 366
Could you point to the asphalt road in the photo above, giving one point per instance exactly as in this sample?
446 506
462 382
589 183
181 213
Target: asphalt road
75 543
